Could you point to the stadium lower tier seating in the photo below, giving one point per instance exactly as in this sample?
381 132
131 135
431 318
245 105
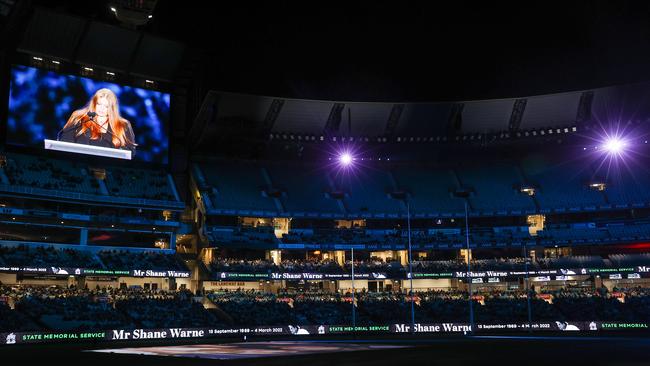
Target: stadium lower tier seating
24 255
49 308
51 256
122 260
394 268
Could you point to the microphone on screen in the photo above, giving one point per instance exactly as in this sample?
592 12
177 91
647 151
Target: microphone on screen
76 124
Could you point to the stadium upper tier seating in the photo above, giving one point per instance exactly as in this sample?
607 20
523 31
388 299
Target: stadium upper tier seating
563 185
24 171
626 188
126 182
39 172
492 188
237 186
496 187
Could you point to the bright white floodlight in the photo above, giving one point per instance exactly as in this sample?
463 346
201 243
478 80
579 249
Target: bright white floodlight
345 158
614 146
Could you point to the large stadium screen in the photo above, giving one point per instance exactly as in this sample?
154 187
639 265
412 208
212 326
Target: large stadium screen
75 114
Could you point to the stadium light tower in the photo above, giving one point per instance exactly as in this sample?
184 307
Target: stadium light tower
464 195
469 270
408 222
354 319
528 302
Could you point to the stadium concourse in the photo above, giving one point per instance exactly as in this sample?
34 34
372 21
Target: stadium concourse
146 211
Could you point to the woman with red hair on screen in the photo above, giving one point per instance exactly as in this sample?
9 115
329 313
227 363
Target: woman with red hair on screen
99 123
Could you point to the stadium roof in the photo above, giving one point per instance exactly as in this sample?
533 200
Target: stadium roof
316 117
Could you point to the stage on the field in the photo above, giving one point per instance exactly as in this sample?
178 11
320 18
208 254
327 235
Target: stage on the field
248 350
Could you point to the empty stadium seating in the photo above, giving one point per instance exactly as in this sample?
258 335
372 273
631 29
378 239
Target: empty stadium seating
39 172
362 198
304 189
27 172
492 188
126 182
496 188
237 186
563 185
262 235
627 187
430 190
